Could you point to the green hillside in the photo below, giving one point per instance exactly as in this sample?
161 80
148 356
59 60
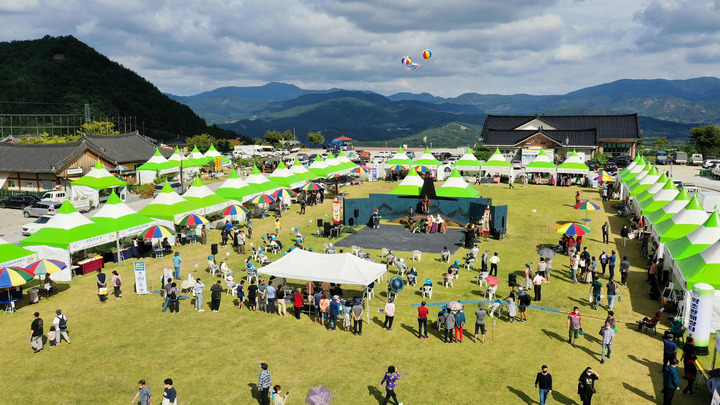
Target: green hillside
59 75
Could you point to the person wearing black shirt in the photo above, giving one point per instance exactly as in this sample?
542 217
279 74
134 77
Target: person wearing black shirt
169 395
36 333
252 295
543 381
586 385
101 280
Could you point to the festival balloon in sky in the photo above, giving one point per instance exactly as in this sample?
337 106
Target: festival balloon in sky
410 65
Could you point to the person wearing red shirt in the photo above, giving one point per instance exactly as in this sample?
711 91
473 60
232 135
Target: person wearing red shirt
422 320
298 302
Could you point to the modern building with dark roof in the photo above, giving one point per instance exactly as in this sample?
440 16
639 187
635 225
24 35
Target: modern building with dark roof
522 137
41 167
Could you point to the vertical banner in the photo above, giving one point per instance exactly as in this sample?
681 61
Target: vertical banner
700 317
141 286
373 176
218 164
337 212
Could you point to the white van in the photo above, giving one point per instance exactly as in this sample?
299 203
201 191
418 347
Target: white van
57 196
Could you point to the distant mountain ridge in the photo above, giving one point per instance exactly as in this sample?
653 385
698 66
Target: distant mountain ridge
666 108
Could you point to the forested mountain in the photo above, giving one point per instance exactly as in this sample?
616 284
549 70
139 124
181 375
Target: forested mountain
59 75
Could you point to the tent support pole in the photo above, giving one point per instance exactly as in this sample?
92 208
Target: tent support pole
120 259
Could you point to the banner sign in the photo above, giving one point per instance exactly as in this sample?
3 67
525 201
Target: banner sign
700 317
141 286
337 212
218 164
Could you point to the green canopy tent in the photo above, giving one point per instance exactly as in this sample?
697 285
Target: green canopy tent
13 255
201 196
334 165
670 209
319 168
196 155
650 191
260 182
213 153
542 164
282 176
168 207
660 199
627 184
411 185
89 186
696 241
157 165
66 232
117 217
345 161
573 165
691 217
643 184
497 165
455 186
400 158
632 170
181 160
299 170
703 267
236 189
429 161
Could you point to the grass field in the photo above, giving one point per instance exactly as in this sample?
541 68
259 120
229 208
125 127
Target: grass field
213 357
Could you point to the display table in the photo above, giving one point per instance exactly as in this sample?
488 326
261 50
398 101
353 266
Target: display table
125 254
90 265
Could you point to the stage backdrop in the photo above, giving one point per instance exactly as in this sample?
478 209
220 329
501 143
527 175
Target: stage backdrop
358 210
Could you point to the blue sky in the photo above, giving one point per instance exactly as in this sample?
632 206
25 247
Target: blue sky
185 47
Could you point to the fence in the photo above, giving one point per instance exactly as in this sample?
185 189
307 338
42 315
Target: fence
11 193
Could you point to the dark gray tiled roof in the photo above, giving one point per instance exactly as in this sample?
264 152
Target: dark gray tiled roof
587 137
607 126
41 158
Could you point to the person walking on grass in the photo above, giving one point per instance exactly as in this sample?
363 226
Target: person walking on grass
543 381
389 314
422 320
608 338
606 233
116 282
198 290
297 302
624 233
389 380
176 263
596 292
144 395
357 313
60 323
166 291
459 325
671 381
264 384
669 349
494 260
448 322
101 280
36 333
604 260
169 394
480 323
538 281
574 325
278 398
624 270
174 295
586 385
215 296
611 263
523 303
688 358
612 292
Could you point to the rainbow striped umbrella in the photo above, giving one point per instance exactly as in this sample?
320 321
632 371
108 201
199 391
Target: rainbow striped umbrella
192 220
46 266
360 170
14 276
312 187
398 167
572 229
156 231
284 192
334 176
604 176
422 169
121 168
235 210
261 198
587 205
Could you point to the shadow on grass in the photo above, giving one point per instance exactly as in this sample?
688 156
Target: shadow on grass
373 391
377 321
638 392
562 399
581 302
525 398
554 335
254 393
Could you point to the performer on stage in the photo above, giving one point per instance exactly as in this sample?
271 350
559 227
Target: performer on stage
425 204
428 223
442 226
376 219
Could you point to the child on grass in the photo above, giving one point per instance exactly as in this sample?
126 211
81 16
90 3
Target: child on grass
51 337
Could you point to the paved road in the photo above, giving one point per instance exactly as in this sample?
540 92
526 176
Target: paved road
691 174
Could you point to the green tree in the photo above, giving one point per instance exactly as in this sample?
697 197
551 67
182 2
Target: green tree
706 139
661 144
315 138
98 128
482 152
601 158
202 141
278 139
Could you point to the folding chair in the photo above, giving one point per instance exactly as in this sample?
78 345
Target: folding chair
427 291
470 264
448 281
355 250
416 254
490 292
383 252
481 279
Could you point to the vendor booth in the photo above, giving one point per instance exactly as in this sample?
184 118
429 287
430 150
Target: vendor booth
573 167
400 158
204 198
65 233
344 268
156 166
260 182
282 176
236 189
117 217
13 255
660 199
497 165
97 183
169 207
542 164
456 186
411 185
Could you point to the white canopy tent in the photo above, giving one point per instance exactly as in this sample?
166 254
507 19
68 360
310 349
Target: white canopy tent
343 268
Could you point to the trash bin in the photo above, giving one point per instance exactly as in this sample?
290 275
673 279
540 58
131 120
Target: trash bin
34 295
214 249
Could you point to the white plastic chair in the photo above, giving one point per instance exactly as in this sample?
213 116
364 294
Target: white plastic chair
481 279
383 252
355 250
416 254
251 274
445 257
427 290
470 264
490 292
401 268
448 281
231 288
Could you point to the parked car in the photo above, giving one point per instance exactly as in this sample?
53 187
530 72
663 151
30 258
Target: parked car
301 156
410 154
611 166
517 164
36 225
41 208
695 159
57 196
177 187
592 164
19 201
710 163
378 159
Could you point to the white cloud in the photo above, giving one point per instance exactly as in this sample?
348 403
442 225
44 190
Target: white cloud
539 47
